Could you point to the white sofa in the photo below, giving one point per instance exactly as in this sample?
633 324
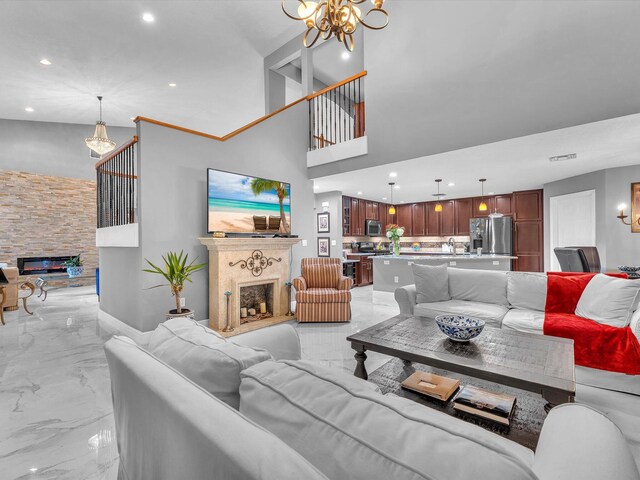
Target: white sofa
300 421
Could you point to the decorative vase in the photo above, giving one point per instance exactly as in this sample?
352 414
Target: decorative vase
185 313
396 248
75 271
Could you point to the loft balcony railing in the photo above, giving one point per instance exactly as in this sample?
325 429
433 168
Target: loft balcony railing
336 113
116 186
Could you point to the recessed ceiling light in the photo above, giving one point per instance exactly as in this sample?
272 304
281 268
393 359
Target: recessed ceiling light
396 187
44 61
401 201
491 193
393 174
29 109
147 17
451 184
345 55
384 198
315 187
359 193
172 84
33 469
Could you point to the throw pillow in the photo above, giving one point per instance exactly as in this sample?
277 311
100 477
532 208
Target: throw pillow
321 276
484 286
608 300
432 283
527 290
204 357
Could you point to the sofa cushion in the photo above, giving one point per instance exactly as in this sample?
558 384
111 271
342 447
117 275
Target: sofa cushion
349 432
491 314
527 321
204 357
484 286
527 290
323 295
609 300
321 276
432 283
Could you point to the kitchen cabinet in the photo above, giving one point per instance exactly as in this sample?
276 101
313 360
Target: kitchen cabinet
463 213
382 215
476 207
528 230
418 221
502 204
362 215
527 205
371 210
363 269
447 219
346 216
356 226
433 219
403 213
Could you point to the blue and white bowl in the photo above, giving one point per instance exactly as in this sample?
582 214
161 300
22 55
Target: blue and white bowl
459 328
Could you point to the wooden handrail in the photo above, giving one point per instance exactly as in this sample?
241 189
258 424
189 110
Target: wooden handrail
117 151
252 124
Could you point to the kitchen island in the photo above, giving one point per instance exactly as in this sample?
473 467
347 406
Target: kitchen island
391 272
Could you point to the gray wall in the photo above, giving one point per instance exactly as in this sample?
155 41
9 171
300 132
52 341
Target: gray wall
47 148
173 207
335 220
616 244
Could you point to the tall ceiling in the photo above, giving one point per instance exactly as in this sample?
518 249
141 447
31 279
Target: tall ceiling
212 50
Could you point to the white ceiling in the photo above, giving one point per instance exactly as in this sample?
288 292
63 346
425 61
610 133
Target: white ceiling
213 50
510 165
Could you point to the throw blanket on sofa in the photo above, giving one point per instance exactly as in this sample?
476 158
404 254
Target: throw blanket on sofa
595 345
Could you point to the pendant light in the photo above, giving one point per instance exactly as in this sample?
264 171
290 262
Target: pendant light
438 207
100 142
392 209
483 206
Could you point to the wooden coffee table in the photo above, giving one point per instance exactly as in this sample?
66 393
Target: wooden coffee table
535 363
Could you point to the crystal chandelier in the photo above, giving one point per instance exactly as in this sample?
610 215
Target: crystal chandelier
100 142
339 18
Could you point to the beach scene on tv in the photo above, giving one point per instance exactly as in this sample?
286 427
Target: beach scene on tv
243 204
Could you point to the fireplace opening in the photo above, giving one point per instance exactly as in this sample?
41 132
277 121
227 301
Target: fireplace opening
42 265
256 302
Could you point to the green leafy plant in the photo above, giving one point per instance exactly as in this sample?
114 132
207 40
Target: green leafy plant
74 262
260 185
176 272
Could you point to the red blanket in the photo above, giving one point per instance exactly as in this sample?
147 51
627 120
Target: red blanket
595 345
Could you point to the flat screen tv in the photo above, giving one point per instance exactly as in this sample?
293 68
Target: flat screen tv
243 204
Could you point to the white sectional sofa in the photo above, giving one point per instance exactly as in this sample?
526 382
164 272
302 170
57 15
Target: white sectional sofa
300 421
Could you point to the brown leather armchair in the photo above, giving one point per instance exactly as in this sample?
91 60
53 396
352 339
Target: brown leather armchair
323 294
11 291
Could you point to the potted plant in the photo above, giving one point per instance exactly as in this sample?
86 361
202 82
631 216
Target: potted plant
394 232
74 266
176 272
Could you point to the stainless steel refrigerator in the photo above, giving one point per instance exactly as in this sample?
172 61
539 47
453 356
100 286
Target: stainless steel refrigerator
492 234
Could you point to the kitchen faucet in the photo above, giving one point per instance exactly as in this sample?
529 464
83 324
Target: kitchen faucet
452 245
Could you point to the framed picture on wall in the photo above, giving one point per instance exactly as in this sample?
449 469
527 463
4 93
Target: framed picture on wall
324 247
635 207
323 222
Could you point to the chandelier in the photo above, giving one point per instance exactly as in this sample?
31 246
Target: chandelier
100 142
339 18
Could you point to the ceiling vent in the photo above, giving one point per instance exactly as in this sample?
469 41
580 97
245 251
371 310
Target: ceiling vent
562 158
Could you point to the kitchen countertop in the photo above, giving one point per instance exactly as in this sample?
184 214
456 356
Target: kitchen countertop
344 260
425 256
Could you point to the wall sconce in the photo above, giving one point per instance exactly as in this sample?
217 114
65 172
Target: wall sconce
623 217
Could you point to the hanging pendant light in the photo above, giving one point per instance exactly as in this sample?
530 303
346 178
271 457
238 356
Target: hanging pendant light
438 207
392 209
100 142
483 206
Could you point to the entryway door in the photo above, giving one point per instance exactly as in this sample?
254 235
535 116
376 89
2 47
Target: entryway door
572 222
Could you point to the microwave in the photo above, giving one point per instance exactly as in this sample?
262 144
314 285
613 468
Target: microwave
372 228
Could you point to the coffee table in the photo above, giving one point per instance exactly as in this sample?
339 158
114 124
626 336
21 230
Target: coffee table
535 363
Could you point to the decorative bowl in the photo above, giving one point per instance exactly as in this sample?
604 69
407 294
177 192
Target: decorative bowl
459 328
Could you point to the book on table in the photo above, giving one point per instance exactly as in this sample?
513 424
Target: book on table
431 385
497 407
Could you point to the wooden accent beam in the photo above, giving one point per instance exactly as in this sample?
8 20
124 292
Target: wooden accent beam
117 151
255 122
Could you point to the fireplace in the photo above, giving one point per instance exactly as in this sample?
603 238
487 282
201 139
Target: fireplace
42 265
256 302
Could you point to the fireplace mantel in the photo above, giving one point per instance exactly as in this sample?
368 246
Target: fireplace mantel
238 262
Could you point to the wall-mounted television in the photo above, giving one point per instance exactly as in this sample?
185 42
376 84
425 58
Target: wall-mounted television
243 204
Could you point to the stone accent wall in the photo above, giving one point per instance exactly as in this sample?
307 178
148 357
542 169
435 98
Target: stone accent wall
45 215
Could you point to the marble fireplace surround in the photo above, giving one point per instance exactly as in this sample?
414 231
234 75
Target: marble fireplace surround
238 262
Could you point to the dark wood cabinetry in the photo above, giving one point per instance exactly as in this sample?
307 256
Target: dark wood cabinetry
503 204
371 210
404 219
433 220
356 220
528 231
346 216
418 222
447 219
463 213
476 207
363 270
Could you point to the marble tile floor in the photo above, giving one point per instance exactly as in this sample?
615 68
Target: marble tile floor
56 418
